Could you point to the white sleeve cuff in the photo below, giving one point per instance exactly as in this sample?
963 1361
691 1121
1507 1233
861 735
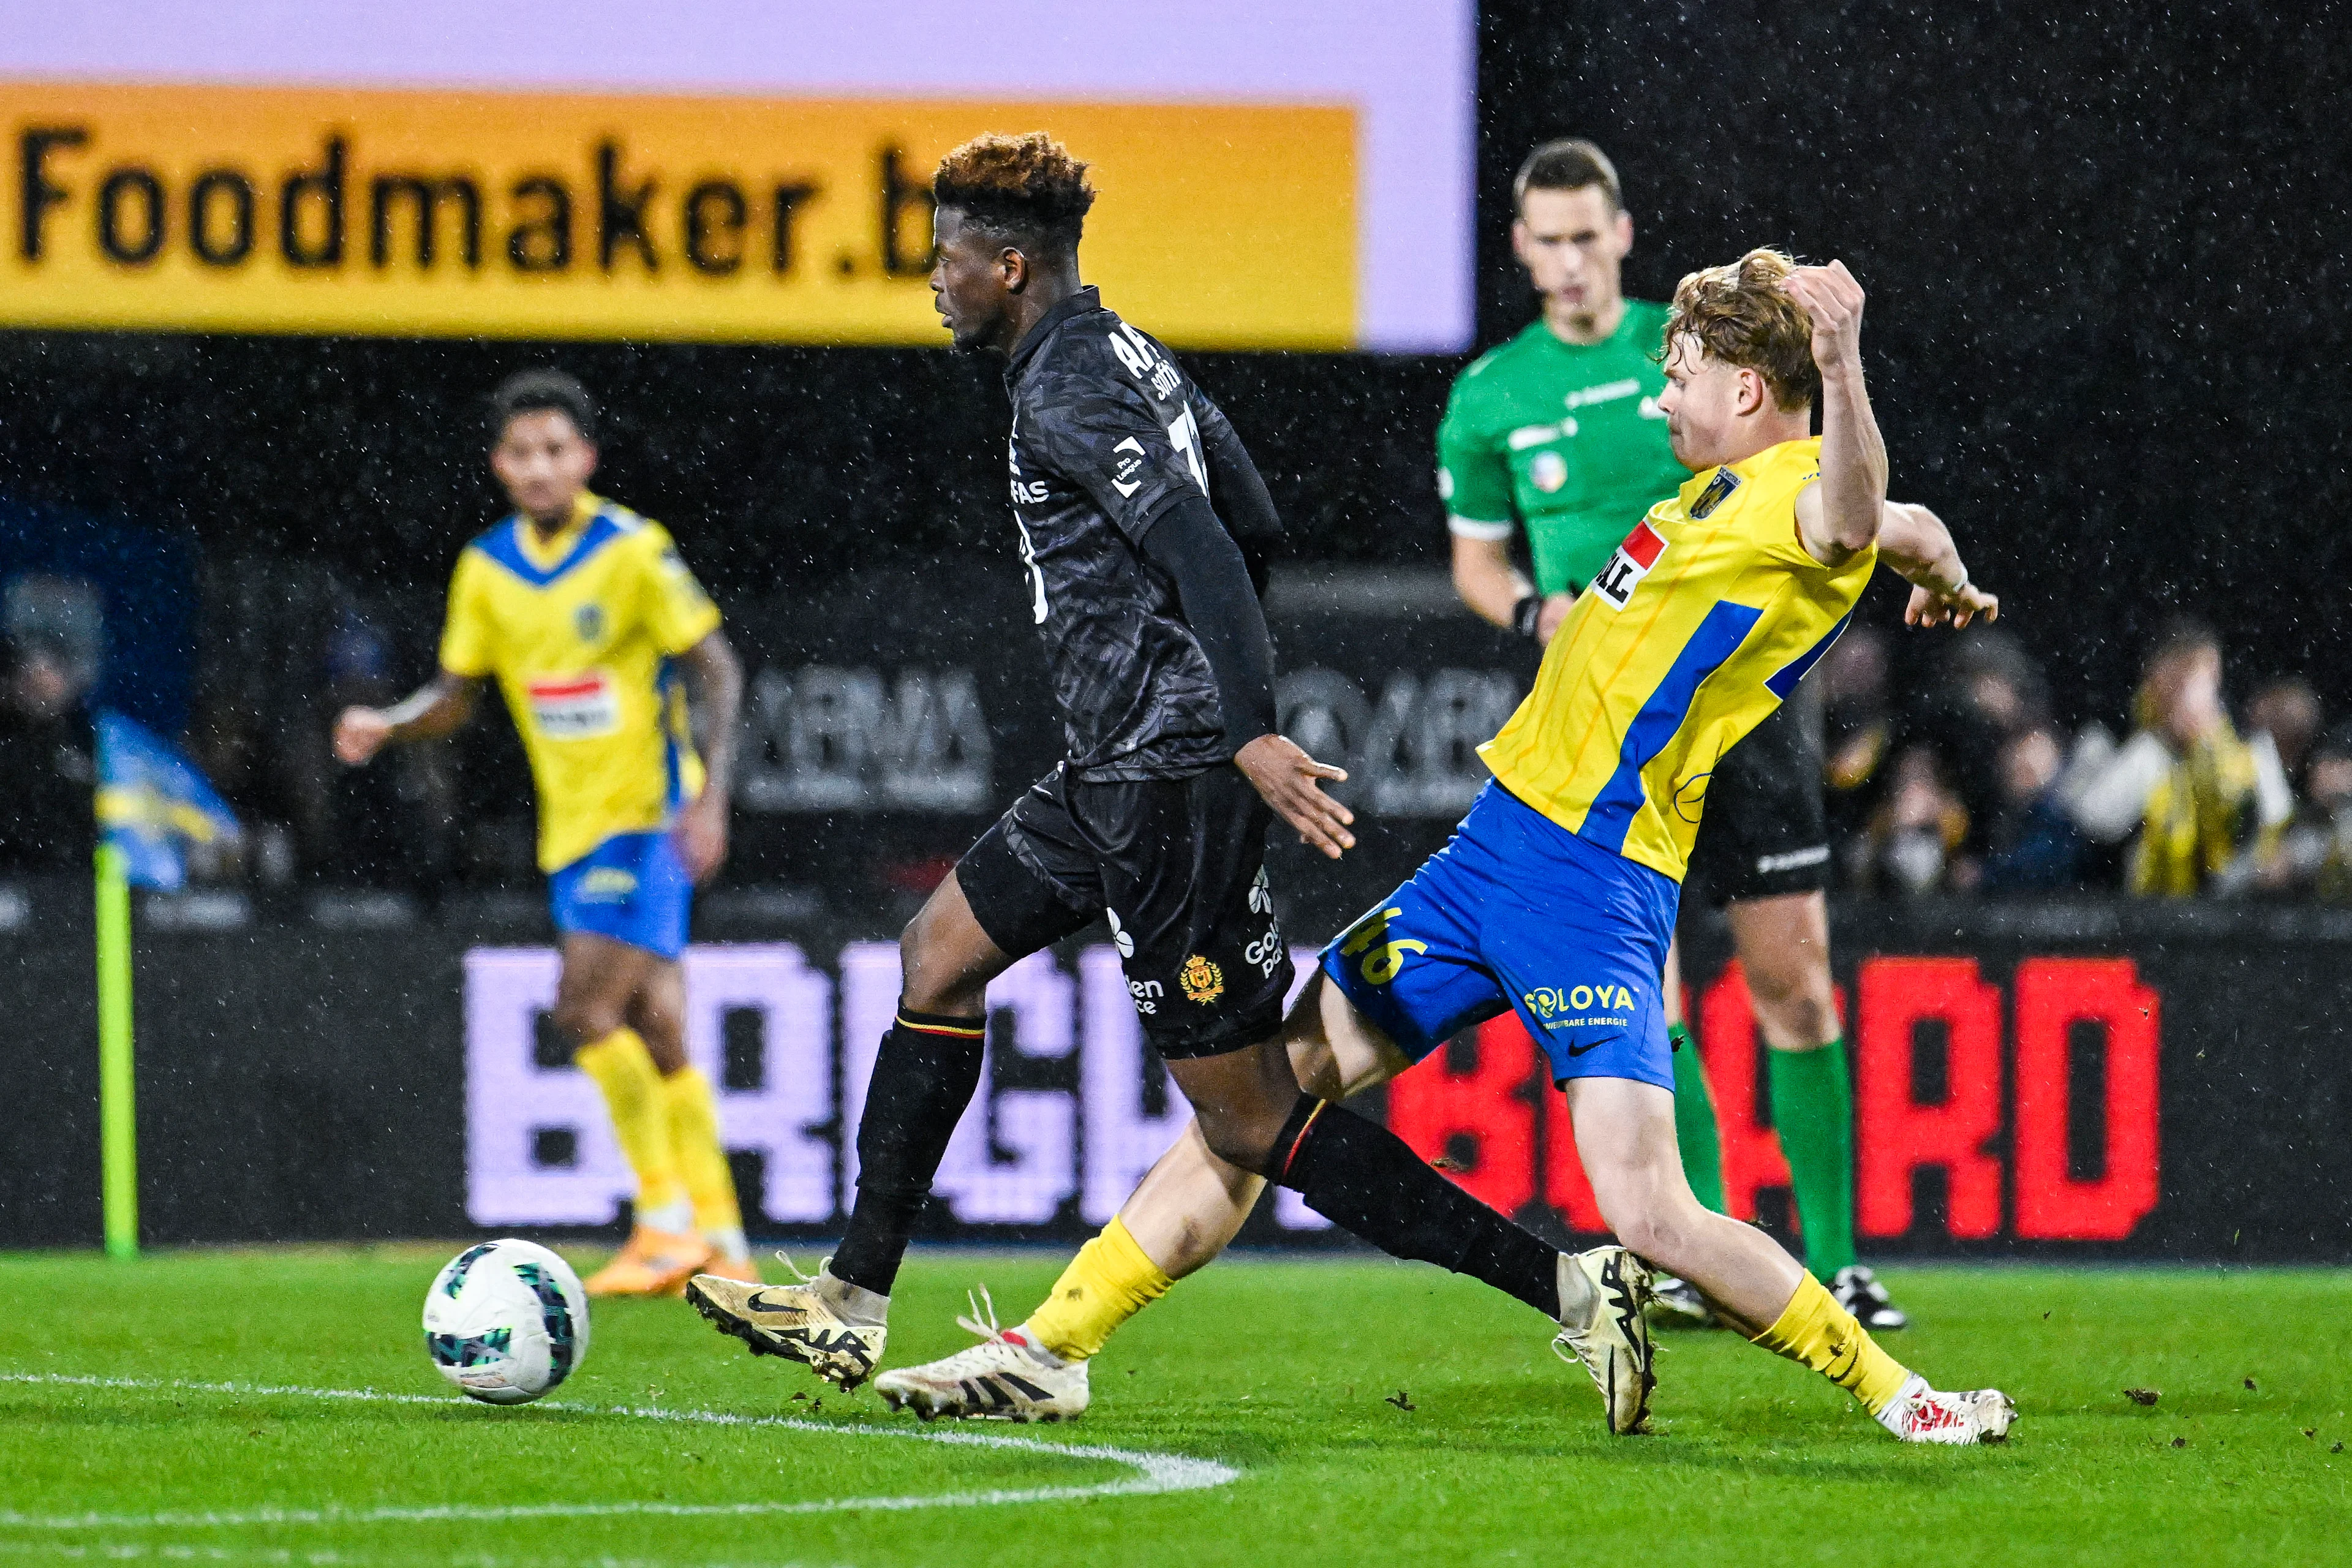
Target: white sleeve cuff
1474 528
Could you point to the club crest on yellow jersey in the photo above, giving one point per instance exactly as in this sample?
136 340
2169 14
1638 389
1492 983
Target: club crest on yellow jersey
1718 490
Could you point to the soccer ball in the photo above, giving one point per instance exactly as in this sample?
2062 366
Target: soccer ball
506 1321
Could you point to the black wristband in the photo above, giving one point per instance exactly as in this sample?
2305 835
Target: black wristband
1526 614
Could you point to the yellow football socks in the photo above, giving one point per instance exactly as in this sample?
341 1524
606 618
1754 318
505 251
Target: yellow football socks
1815 1332
702 1158
624 1069
1110 1280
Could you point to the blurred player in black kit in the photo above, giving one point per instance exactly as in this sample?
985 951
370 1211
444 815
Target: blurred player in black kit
1139 512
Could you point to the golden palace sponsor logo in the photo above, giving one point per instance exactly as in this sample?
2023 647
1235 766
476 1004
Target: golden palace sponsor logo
1548 1001
637 216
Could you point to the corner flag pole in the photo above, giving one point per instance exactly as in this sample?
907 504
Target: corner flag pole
118 1122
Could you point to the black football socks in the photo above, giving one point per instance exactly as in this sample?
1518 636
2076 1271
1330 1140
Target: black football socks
924 1076
1366 1179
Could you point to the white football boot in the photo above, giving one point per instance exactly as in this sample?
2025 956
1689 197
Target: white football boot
834 1328
1610 1287
1003 1378
1918 1414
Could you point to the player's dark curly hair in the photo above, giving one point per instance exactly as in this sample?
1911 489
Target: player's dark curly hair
534 391
1741 315
1027 188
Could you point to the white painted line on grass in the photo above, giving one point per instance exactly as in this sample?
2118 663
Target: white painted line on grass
1154 1473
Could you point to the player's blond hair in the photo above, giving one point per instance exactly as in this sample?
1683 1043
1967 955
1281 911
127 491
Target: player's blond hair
1741 315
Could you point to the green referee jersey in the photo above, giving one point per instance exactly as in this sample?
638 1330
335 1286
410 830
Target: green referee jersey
1564 440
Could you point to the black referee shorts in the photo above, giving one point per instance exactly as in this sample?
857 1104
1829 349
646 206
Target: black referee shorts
1179 867
1765 832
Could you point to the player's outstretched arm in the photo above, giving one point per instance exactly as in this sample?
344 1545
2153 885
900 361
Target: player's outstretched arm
714 690
1847 504
1915 542
440 707
1212 587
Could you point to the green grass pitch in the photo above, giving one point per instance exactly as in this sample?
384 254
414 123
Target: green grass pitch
177 1409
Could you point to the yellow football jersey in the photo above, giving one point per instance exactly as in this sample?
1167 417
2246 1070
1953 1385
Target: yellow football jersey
579 631
1701 623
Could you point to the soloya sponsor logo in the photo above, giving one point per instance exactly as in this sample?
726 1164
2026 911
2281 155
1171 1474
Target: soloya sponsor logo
1579 1004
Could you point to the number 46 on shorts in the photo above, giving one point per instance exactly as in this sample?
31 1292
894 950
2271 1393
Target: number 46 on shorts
1381 957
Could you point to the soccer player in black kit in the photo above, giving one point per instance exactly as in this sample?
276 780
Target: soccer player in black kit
1139 512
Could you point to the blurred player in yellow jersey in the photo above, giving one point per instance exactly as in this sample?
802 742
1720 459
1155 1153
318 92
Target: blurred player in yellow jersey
585 615
1556 899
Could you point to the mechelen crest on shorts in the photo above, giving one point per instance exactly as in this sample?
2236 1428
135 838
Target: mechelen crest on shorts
1200 980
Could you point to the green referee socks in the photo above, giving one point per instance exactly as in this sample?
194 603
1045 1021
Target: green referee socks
1813 1110
1695 1127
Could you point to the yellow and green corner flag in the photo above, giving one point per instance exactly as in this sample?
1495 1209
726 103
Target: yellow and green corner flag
154 804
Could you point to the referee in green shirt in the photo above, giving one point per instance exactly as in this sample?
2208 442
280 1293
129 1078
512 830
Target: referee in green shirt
1556 435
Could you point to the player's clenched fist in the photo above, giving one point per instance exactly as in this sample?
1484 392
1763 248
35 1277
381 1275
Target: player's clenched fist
360 734
1833 299
1290 780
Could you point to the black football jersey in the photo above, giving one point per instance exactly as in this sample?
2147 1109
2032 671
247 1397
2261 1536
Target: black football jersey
1106 434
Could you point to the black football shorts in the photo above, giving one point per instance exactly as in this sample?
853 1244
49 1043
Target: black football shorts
1765 832
1178 866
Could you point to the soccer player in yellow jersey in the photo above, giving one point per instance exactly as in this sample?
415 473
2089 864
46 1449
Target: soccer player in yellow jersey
1557 896
585 615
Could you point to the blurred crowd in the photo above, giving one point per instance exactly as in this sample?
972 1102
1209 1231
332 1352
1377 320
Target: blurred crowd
48 767
1954 779
1966 783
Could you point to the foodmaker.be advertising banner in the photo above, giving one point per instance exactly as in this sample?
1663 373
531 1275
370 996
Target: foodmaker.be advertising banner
1285 178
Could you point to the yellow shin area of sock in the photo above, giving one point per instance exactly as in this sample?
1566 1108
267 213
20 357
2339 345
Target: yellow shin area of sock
624 1070
701 1156
1110 1280
1814 1331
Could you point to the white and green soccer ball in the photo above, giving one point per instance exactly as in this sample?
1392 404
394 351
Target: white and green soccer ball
506 1321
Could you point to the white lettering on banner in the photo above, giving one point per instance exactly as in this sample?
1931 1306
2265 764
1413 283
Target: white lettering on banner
1412 753
540 1149
824 739
869 1000
518 1112
1012 1158
782 1118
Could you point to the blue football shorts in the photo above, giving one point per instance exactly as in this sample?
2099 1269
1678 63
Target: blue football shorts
632 888
1516 911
